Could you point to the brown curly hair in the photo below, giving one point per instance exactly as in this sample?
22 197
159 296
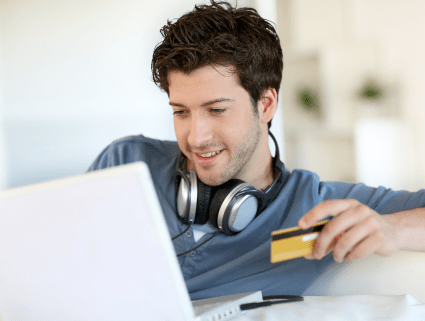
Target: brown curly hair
219 34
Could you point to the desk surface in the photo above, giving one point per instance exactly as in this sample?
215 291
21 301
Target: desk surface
346 307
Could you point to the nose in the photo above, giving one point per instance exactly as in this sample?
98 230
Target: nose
200 133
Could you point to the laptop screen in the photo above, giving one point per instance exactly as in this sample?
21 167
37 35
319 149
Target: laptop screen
89 247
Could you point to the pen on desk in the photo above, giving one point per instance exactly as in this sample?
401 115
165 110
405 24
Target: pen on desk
270 300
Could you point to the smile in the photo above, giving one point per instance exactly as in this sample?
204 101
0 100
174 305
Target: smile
208 155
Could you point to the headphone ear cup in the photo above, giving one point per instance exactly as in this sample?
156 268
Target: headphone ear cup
181 186
203 202
217 201
187 196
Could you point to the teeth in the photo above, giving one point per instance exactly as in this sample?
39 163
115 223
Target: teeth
209 154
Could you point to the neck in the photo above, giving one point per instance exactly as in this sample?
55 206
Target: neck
264 175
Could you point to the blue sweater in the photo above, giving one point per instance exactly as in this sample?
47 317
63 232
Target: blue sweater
241 263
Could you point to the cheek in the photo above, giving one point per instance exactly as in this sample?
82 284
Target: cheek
236 130
181 133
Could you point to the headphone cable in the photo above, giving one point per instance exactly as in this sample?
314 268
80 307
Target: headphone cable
198 245
190 224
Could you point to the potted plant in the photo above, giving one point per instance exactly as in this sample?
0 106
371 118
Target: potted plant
308 100
371 95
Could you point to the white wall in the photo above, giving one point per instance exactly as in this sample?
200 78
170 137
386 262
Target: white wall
2 156
348 41
399 28
75 76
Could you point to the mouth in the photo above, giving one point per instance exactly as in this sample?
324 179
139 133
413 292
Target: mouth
209 155
207 158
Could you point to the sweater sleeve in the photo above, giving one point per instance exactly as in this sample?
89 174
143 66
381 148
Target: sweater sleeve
134 149
382 200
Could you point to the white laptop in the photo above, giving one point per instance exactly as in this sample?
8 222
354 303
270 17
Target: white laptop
94 247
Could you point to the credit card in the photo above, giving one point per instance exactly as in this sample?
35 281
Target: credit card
294 242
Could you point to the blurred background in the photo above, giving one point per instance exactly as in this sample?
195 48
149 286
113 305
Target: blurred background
75 75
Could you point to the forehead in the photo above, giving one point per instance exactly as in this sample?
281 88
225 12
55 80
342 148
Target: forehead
205 81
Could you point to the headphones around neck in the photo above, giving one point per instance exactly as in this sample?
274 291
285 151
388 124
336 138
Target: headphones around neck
230 207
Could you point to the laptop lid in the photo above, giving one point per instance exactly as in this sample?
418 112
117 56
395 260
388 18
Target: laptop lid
89 247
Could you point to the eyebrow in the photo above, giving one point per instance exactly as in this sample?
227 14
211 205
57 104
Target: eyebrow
207 103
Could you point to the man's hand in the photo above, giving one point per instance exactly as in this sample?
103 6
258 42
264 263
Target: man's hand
354 232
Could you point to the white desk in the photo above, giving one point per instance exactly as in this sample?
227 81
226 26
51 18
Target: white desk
345 307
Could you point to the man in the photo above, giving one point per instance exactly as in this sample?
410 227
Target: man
221 68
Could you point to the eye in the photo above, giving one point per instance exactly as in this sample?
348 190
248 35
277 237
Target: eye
218 111
179 112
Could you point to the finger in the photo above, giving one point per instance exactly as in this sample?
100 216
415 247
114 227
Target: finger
325 209
365 247
336 227
328 250
312 257
348 242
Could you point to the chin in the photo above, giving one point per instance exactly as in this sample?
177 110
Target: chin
211 181
214 179
210 178
215 175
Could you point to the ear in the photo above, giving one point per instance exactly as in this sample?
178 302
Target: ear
267 105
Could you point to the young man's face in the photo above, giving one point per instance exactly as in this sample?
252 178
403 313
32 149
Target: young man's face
215 124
